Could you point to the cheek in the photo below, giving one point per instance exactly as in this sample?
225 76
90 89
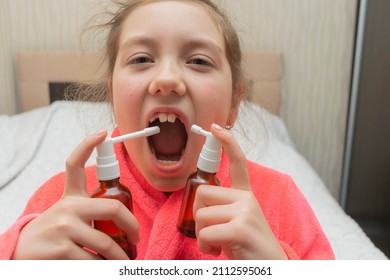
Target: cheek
216 101
126 98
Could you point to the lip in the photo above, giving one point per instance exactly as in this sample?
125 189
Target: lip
168 169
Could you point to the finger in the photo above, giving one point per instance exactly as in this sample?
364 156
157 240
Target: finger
209 249
211 206
209 242
78 253
238 169
98 242
73 252
75 174
210 195
212 215
108 209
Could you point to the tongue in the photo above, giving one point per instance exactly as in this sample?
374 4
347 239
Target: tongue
171 140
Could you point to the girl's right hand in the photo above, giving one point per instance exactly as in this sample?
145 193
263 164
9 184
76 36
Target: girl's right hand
64 230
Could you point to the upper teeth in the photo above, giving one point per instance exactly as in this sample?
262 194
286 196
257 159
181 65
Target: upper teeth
164 117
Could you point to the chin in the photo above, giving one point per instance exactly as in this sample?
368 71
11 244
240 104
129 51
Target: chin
169 185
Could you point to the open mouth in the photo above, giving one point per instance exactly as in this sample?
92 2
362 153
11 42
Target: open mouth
169 145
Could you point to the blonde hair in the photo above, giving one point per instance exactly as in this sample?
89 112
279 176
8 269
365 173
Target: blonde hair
99 91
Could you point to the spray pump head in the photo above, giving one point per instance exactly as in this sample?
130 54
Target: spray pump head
107 166
210 156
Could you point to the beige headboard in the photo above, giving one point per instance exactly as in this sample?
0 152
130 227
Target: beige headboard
37 69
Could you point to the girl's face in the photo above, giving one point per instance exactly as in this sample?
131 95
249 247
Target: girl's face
171 71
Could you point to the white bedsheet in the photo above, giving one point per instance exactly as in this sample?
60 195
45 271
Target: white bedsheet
35 145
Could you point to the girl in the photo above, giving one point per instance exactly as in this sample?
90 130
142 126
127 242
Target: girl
171 63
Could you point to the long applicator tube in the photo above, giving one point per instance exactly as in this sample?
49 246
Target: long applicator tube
145 132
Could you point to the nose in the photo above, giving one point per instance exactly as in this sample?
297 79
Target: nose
168 80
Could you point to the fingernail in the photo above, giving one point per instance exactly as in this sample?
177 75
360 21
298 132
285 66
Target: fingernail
217 127
100 132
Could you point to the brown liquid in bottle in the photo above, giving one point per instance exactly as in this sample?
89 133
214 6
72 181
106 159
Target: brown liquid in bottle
113 189
186 223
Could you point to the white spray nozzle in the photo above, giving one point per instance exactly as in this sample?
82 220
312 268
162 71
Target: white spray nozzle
210 156
198 130
145 132
107 167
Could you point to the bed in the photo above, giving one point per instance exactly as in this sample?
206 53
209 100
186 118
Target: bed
35 143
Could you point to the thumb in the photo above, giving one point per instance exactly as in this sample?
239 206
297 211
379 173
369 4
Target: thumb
238 169
75 173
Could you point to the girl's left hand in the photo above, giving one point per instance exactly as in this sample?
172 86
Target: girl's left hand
231 219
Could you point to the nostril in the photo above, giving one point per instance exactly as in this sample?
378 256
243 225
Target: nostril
167 86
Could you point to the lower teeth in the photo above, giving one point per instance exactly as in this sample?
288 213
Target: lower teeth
168 158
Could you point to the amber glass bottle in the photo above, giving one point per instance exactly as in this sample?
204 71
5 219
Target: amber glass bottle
113 189
186 223
107 172
208 164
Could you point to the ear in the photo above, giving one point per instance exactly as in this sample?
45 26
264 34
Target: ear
235 106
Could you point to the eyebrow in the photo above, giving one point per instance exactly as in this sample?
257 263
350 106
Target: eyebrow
203 42
137 39
193 42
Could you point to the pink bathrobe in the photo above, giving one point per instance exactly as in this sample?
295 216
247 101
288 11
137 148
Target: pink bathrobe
285 208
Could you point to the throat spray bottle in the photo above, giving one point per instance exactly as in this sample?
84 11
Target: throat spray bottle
207 167
108 174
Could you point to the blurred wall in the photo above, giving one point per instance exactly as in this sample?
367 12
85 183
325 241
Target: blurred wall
315 38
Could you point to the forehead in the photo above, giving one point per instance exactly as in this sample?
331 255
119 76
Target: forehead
171 16
193 6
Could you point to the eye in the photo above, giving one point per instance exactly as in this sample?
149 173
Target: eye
199 61
142 59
